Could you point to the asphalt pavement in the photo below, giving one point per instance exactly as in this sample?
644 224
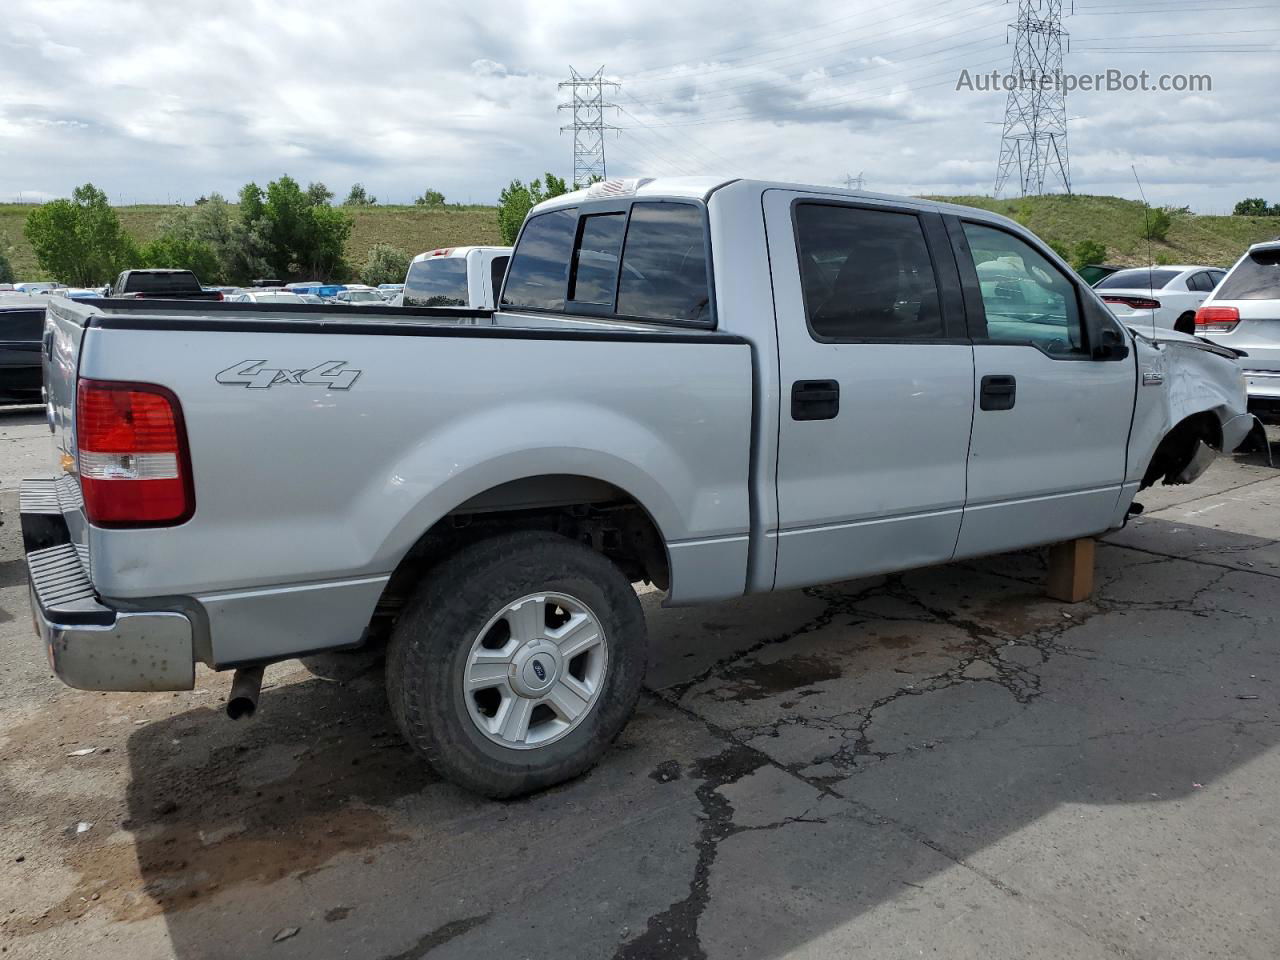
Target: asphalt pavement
943 763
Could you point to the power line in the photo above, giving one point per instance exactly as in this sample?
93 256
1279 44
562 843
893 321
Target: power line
827 103
688 142
1034 142
838 71
589 128
805 52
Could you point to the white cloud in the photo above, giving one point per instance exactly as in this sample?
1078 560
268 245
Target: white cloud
175 99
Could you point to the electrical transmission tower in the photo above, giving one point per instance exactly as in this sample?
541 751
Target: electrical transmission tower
855 183
1034 144
588 125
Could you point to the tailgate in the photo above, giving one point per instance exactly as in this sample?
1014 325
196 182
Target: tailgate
64 333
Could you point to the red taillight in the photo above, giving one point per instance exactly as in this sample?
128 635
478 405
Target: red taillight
442 252
1217 319
132 453
1134 303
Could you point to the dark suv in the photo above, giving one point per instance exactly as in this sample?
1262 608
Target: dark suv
21 329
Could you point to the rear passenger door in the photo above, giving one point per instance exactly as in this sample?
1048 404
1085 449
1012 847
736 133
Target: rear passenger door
877 379
1052 415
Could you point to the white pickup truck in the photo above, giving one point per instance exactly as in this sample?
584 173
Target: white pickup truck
716 386
455 277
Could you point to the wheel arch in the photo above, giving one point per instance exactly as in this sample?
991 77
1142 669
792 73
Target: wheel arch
1178 448
584 507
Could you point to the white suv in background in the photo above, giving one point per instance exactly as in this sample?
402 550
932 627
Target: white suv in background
1159 297
1244 314
455 277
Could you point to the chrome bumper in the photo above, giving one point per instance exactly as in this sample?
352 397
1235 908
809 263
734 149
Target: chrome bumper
92 646
1263 384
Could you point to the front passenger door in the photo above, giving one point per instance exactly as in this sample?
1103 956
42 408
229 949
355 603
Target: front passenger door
1051 423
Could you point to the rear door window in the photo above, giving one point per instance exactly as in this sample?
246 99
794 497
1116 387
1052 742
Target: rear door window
436 282
664 264
539 268
866 274
1256 277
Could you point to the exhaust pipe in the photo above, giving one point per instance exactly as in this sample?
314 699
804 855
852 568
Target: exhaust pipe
246 685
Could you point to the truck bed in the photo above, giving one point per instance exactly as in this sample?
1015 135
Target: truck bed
325 440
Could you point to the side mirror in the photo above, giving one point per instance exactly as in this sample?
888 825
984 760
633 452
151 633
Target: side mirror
1110 345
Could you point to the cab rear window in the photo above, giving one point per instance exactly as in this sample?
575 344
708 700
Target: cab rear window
21 325
436 282
647 261
1256 277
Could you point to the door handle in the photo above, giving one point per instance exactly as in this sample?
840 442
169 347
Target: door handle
999 392
815 399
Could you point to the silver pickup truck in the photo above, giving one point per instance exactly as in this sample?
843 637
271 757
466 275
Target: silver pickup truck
716 387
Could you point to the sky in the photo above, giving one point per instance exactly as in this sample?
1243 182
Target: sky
161 102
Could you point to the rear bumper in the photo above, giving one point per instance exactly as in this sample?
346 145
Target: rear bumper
90 645
1264 393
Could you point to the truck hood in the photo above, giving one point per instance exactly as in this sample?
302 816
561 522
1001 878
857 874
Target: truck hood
1161 335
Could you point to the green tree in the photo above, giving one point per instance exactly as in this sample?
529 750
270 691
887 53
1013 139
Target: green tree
1157 225
80 241
321 253
1058 247
282 233
1087 252
359 197
430 198
179 244
214 223
6 268
516 200
1255 207
318 193
385 264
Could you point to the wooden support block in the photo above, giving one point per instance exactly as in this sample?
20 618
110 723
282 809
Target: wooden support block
1070 571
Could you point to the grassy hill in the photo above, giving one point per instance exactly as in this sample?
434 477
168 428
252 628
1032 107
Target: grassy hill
1067 220
1120 224
411 228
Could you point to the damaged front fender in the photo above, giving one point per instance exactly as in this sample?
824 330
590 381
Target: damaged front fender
1191 406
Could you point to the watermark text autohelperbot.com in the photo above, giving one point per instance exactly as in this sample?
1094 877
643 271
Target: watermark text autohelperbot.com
1111 81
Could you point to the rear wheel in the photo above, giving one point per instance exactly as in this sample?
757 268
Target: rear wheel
517 662
1186 323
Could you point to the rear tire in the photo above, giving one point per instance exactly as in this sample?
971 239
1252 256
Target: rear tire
517 662
1186 324
342 665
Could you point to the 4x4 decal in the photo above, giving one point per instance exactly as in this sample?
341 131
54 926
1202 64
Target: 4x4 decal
256 375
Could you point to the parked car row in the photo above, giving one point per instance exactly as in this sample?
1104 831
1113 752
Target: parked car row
1237 308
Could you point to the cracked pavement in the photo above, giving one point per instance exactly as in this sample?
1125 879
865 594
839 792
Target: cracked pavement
941 762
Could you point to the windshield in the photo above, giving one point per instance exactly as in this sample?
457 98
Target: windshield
361 295
278 298
1142 279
